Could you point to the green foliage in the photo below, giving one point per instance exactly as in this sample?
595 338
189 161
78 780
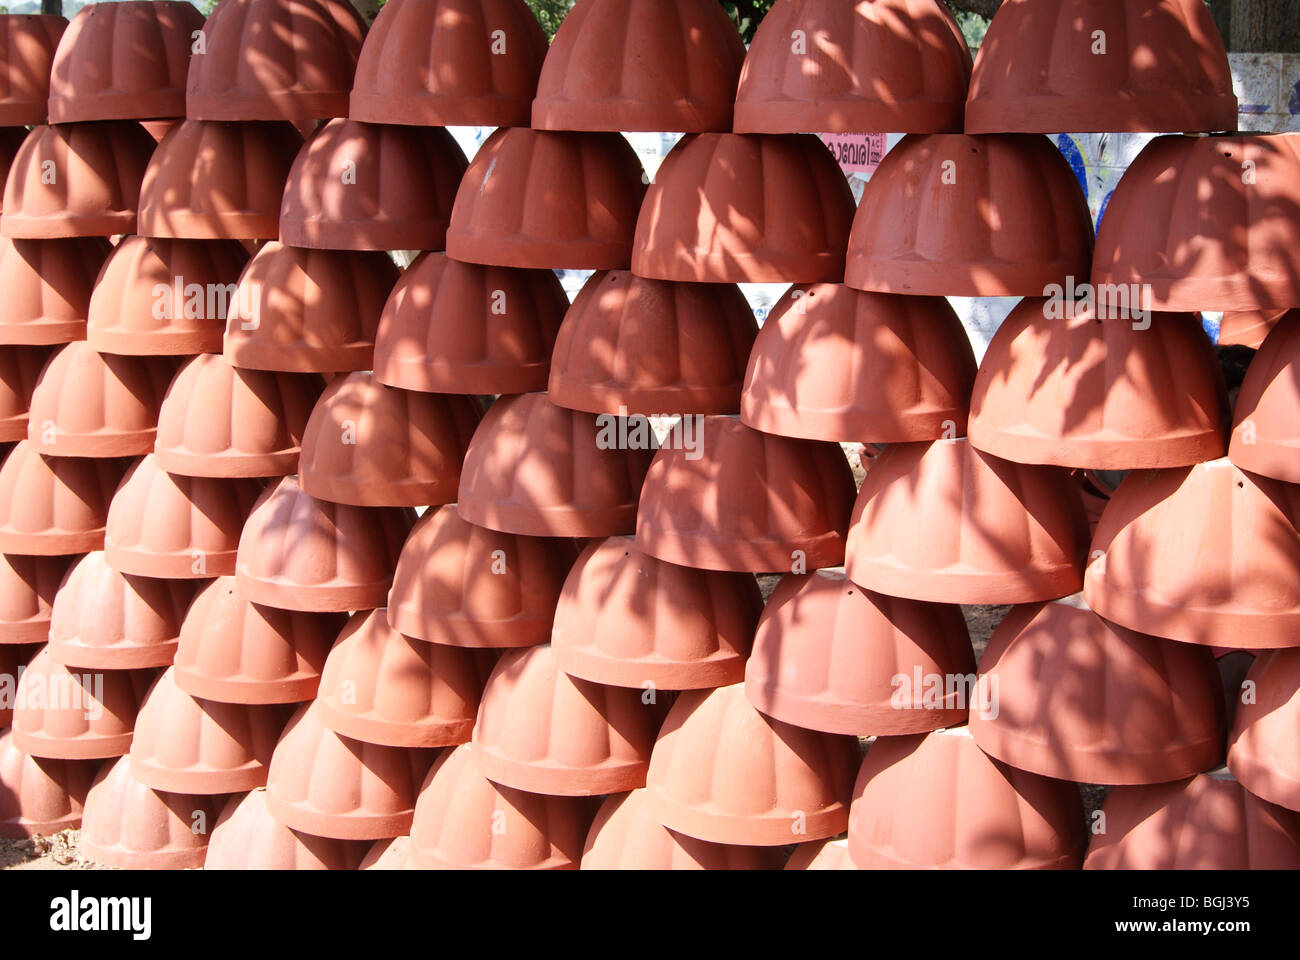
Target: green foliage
972 26
550 14
747 14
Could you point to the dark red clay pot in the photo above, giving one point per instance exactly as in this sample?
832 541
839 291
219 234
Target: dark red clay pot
726 208
1247 328
652 347
47 286
1183 222
54 506
1148 570
1039 69
1264 436
649 65
547 200
452 327
20 367
28 586
214 181
945 522
283 60
1090 390
1262 746
746 501
832 363
544 471
937 802
27 45
247 837
888 65
449 62
308 311
629 620
39 797
14 658
299 553
821 855
123 61
11 141
831 656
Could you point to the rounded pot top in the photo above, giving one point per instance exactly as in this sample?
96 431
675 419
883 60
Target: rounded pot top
1265 416
27 45
38 796
52 506
47 286
1263 752
247 837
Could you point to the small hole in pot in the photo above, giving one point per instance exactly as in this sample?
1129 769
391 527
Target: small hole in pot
1240 485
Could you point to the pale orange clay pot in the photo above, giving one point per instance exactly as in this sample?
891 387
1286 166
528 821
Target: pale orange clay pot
1262 746
20 366
390 854
247 837
1264 436
27 45
47 286
821 855
28 586
40 797
1247 328
54 506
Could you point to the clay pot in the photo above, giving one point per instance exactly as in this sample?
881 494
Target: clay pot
652 347
1148 569
1247 328
831 363
1262 745
20 366
745 501
89 404
546 200
1091 390
682 75
1209 822
1183 223
944 522
1039 71
28 586
308 311
299 553
247 837
629 620
39 797
390 854
937 802
140 307
544 471
105 620
162 524
222 421
831 656
329 786
543 731
821 855
123 61
382 687
47 286
214 181
726 208
1264 439
286 60
54 506
27 45
448 63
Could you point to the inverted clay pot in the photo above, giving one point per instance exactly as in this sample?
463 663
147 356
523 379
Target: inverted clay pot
299 553
449 62
39 797
390 854
745 501
831 656
20 367
27 45
304 311
629 620
727 208
1247 328
47 286
1264 438
247 837
54 506
1090 390
1206 223
889 65
821 855
1039 70
651 347
543 200
1262 746
214 181
123 61
944 522
28 586
543 731
832 363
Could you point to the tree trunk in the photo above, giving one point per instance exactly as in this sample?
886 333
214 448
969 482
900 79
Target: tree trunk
52 7
1264 26
369 9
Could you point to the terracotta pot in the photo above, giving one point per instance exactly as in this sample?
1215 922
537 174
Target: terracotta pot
47 286
222 421
54 506
123 61
162 524
821 855
14 658
1262 751
831 656
832 363
1209 822
28 586
11 141
1091 390
449 62
726 208
308 311
897 65
330 786
944 522
39 797
389 854
1247 328
937 802
131 826
27 45
543 731
299 553
652 347
105 620
544 471
1148 571
247 837
286 60
20 366
215 181
745 501
1264 439
140 307
1038 70
682 76
629 620
547 200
